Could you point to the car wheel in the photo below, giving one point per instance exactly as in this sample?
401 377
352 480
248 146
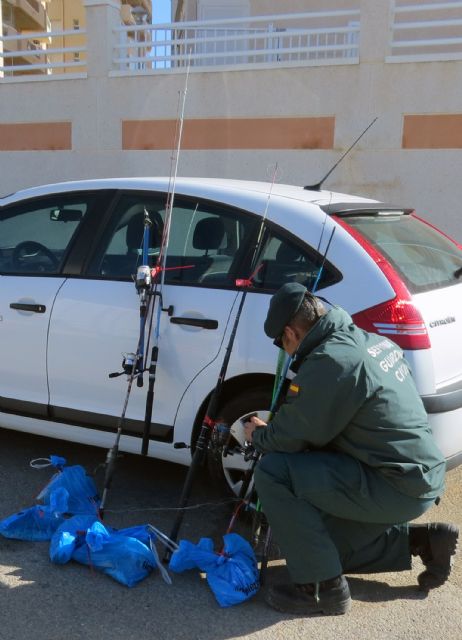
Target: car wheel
226 464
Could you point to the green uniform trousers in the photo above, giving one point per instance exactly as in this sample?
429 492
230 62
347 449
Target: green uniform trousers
330 514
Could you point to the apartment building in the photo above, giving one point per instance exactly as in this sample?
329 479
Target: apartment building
53 26
23 17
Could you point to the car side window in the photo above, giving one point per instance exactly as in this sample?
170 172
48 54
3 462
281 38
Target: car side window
205 241
207 244
120 251
35 237
282 261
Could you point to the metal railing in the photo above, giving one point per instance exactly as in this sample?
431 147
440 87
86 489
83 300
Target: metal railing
43 55
327 37
425 32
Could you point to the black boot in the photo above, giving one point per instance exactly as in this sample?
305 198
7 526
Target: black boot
435 543
330 597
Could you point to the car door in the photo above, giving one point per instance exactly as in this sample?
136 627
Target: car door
35 238
96 319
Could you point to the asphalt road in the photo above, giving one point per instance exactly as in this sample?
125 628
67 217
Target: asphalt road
42 601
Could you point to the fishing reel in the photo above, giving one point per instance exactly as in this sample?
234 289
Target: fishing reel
143 279
129 366
218 439
143 284
247 450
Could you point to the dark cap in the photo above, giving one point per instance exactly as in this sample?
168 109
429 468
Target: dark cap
283 306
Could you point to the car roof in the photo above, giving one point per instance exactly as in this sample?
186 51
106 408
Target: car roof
234 192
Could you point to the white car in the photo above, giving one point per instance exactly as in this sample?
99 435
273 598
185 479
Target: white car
69 309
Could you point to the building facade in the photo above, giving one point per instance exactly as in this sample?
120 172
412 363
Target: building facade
294 89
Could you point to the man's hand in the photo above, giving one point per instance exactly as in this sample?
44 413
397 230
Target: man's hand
251 425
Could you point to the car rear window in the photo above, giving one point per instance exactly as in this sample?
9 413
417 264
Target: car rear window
425 258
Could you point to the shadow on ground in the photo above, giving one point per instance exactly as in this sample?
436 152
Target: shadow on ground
50 602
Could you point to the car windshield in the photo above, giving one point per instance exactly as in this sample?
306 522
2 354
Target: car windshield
425 258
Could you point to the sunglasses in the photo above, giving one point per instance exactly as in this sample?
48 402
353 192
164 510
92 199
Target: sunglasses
278 342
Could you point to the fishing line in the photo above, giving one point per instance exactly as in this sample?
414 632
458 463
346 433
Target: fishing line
194 507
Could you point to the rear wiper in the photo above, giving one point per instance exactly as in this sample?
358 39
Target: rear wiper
458 272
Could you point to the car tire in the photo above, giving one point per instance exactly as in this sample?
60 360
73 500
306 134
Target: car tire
227 470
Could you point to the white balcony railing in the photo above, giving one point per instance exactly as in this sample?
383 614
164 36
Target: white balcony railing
328 37
43 54
426 32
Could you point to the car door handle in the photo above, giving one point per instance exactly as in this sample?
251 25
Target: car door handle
36 308
204 323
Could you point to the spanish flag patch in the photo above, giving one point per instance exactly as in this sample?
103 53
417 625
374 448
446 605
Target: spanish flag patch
294 390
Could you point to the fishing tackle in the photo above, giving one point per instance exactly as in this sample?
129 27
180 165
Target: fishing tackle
210 420
252 455
160 270
146 283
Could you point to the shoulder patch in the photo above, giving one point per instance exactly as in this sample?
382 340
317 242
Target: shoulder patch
294 390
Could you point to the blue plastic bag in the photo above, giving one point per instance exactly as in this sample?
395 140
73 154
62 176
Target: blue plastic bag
83 495
69 535
125 559
70 491
38 522
126 555
232 575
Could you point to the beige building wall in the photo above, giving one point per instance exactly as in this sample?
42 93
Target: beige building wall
1 41
67 15
238 124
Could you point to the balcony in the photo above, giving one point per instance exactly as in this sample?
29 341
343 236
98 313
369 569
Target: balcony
29 15
26 53
43 53
298 39
416 32
424 32
9 46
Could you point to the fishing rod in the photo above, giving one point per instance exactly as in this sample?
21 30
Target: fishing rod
133 363
143 287
161 268
250 453
209 421
269 535
146 283
321 268
247 450
318 185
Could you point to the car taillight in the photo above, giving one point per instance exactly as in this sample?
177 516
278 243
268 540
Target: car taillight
398 318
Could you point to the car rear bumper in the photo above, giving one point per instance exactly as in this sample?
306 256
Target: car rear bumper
446 399
447 431
454 461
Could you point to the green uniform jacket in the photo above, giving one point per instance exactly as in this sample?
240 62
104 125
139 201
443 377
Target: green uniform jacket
353 393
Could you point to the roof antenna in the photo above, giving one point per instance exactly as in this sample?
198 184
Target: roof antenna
317 186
